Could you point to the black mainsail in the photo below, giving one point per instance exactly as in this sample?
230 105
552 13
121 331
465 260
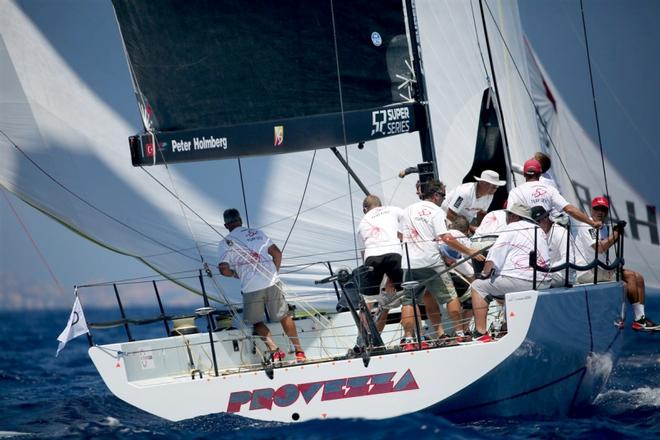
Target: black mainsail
222 79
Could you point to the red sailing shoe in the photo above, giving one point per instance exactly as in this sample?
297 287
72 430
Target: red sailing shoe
644 324
277 355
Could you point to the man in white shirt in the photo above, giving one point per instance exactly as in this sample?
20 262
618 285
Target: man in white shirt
491 224
424 228
587 241
379 237
507 266
249 255
558 241
472 199
533 193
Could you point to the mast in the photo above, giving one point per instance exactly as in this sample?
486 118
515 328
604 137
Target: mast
497 91
424 122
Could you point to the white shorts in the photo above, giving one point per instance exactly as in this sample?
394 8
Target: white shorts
501 285
587 277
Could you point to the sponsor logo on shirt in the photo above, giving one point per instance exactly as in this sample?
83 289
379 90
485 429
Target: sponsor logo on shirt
457 203
538 192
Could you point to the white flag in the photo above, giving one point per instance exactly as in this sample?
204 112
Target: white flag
74 328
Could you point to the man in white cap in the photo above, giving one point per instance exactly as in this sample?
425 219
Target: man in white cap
472 199
535 193
507 265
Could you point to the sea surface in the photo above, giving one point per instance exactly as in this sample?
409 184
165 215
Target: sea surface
45 397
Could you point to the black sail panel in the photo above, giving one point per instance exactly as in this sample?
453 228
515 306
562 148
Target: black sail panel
220 79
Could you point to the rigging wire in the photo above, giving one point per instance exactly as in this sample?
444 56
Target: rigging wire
593 96
184 204
89 204
240 172
302 199
539 116
343 127
481 52
33 241
531 98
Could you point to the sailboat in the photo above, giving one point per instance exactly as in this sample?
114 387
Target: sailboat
296 81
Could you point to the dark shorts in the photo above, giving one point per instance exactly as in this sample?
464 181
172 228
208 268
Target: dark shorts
387 264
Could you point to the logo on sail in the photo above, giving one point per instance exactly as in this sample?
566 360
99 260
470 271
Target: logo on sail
390 121
279 135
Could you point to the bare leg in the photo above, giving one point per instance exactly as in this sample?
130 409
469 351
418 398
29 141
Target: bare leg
290 330
480 309
408 320
631 281
262 330
433 312
454 312
467 317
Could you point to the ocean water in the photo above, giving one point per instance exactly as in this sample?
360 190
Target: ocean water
45 397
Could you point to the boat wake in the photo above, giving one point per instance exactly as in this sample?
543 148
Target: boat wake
619 401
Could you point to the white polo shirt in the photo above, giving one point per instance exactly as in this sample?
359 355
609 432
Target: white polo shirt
423 222
538 194
463 201
378 229
491 223
510 253
246 252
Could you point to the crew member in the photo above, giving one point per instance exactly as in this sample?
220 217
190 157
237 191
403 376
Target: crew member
379 235
424 227
587 240
533 193
473 199
249 255
507 265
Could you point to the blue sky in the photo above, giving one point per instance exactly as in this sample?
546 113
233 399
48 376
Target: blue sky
624 40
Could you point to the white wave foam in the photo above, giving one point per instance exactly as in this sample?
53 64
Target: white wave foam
12 434
111 421
626 400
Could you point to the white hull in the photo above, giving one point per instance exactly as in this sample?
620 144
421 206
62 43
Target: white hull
392 384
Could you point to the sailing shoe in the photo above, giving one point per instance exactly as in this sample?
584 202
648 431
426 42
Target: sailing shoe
462 337
619 323
409 344
644 324
300 356
444 340
481 338
277 356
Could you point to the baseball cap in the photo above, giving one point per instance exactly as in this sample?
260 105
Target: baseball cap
532 166
600 201
539 213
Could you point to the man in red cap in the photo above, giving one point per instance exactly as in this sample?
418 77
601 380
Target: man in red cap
586 241
535 193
